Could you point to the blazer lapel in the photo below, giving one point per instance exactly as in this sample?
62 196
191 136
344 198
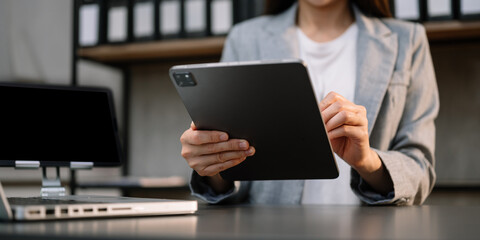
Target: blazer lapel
279 40
376 57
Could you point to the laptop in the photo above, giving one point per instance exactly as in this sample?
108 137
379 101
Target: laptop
59 126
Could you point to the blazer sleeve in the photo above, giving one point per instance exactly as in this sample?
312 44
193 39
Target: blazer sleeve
238 191
410 159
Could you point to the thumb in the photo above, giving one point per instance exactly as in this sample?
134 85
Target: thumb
192 125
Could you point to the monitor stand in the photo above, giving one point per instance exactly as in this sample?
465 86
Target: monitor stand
52 187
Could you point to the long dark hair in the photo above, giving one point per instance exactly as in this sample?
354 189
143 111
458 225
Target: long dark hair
371 8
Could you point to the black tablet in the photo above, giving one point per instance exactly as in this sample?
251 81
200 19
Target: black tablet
270 104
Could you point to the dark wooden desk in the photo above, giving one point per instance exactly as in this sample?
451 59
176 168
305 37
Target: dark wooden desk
270 222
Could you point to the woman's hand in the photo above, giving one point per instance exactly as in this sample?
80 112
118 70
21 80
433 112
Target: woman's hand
210 152
347 128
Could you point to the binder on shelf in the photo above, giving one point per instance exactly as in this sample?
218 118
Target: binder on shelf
117 21
195 18
221 16
439 9
90 22
246 9
144 20
468 9
240 12
257 8
410 10
169 19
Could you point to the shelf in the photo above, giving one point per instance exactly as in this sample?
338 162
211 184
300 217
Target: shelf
212 46
452 30
159 50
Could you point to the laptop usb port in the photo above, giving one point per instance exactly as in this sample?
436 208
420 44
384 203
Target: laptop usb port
34 212
88 210
64 211
50 212
102 209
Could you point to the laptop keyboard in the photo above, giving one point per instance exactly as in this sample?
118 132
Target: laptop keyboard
42 201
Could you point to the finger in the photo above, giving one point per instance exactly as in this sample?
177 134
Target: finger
335 108
204 161
198 137
210 148
330 99
355 132
192 126
219 167
344 118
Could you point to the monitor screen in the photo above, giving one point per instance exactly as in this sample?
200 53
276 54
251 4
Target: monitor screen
57 125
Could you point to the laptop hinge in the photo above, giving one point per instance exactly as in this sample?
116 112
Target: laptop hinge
52 187
81 165
27 164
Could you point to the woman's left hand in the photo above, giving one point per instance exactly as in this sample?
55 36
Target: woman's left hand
347 127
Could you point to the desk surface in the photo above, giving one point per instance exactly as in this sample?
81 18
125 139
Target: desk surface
270 222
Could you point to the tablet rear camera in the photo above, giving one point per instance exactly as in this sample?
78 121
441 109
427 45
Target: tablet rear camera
184 79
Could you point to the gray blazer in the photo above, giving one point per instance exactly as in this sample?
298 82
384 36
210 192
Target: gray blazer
395 82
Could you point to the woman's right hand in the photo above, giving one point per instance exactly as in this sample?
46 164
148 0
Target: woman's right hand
210 152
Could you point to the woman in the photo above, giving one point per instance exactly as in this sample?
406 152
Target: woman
374 80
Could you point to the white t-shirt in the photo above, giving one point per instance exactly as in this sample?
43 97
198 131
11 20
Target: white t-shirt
332 67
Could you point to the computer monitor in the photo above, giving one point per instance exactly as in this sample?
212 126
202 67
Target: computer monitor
57 126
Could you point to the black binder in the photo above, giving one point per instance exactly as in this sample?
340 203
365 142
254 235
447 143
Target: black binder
246 9
410 10
220 14
468 9
257 8
195 18
91 22
169 19
144 24
439 9
118 21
